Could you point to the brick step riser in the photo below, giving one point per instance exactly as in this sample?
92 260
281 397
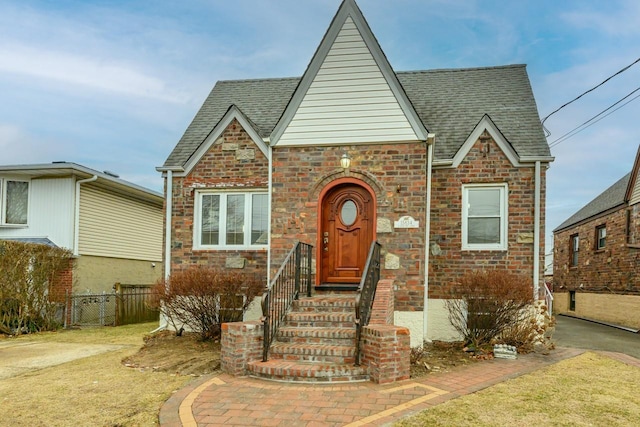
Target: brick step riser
311 358
317 340
345 310
321 317
317 324
307 378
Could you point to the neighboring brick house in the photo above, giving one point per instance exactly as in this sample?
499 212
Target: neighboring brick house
597 256
447 171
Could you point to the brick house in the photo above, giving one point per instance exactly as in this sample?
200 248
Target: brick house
597 256
447 172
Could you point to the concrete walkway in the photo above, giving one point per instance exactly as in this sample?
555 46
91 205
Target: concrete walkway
224 400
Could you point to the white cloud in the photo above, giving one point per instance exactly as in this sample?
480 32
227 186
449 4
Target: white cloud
99 74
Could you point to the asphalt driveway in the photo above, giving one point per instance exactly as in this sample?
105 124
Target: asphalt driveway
578 333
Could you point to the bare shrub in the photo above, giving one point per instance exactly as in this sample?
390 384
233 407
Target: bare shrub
486 303
202 299
533 333
28 274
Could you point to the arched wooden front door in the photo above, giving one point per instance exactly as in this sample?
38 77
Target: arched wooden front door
346 232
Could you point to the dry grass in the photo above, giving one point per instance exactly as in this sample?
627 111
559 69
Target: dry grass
585 391
95 391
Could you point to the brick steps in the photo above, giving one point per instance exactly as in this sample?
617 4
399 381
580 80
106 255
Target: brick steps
286 370
315 344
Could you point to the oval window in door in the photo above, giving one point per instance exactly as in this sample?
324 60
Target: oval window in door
348 213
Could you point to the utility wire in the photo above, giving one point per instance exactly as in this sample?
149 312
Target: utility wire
586 92
592 121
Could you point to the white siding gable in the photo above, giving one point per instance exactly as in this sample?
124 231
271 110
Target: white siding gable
349 100
635 193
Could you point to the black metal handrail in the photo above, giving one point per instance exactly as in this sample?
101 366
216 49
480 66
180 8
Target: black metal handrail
292 279
366 293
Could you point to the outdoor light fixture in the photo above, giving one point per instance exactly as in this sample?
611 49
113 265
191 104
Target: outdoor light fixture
345 161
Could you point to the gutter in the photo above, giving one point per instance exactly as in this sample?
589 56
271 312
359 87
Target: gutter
76 225
431 138
269 193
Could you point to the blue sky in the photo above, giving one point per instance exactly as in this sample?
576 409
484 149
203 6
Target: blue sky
112 85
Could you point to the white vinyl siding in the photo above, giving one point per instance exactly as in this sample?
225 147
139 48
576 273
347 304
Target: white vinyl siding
117 226
50 212
635 194
349 100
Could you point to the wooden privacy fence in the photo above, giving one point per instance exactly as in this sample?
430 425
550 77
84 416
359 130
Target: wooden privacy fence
134 304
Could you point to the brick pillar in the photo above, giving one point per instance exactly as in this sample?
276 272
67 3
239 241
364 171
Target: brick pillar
61 288
382 311
386 351
241 343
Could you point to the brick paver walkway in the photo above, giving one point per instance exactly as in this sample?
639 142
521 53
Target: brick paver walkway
224 400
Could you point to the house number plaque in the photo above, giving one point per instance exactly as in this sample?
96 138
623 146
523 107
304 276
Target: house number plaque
406 222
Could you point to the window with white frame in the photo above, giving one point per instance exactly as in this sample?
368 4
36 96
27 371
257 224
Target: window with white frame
230 220
601 236
484 217
14 202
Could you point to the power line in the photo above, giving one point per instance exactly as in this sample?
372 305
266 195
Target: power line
592 121
586 92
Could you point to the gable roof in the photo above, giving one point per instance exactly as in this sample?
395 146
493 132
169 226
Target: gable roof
451 101
612 197
350 42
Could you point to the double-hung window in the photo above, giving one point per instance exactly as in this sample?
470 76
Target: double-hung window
14 202
230 220
601 237
484 217
574 249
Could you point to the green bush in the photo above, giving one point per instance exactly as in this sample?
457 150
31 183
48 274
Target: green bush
27 274
487 303
202 299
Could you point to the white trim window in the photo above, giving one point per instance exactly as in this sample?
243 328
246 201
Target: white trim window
14 202
230 220
484 217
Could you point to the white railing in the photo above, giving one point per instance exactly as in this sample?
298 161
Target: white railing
548 297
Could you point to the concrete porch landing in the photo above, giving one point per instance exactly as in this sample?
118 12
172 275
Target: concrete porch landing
225 400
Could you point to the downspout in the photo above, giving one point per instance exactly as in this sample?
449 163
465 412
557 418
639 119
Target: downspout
164 324
431 138
76 232
167 228
269 191
536 234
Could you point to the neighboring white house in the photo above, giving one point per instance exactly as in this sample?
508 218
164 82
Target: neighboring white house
113 227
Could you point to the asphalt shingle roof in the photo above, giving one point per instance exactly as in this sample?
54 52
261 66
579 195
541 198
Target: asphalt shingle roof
609 198
450 104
